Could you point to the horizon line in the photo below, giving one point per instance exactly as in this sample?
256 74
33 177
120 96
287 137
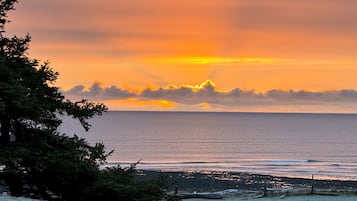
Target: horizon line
184 111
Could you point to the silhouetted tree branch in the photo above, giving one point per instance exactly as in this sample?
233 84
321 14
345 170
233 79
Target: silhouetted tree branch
39 161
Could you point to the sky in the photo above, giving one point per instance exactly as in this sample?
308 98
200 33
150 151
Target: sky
202 55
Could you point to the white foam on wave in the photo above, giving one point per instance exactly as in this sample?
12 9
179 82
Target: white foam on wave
278 167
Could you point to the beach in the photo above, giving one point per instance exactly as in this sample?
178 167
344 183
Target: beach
195 186
243 186
294 198
10 198
213 181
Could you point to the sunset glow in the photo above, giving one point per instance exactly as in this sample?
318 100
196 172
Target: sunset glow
214 60
200 51
200 86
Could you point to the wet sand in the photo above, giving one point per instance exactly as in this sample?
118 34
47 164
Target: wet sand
9 198
294 198
219 181
244 186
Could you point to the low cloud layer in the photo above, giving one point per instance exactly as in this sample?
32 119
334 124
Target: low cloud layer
96 92
208 96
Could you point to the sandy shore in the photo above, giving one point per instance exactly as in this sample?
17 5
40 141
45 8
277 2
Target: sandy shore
243 186
220 181
294 198
9 198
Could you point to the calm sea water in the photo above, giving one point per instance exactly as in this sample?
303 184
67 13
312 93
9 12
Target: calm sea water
278 144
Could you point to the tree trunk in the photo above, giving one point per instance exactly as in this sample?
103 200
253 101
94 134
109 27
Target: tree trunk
5 130
18 134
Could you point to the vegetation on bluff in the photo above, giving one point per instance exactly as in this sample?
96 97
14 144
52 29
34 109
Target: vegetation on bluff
39 161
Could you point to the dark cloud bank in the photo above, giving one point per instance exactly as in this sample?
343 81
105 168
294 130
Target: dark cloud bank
209 94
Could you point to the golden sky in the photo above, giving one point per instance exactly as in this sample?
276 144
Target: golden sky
131 46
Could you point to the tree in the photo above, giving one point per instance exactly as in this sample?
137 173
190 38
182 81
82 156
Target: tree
29 99
39 160
30 109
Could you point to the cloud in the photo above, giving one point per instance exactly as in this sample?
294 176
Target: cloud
318 16
96 92
207 96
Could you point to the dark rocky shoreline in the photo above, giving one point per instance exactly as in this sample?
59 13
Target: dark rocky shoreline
218 181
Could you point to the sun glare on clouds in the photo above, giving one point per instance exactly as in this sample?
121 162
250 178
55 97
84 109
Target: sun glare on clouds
134 103
206 97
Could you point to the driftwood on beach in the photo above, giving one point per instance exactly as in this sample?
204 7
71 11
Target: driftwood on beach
270 193
199 195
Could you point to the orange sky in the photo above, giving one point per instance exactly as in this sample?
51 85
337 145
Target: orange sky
252 45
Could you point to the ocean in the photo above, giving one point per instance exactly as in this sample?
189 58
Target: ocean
280 144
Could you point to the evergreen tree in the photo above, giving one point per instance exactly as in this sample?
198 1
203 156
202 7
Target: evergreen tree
28 98
39 161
